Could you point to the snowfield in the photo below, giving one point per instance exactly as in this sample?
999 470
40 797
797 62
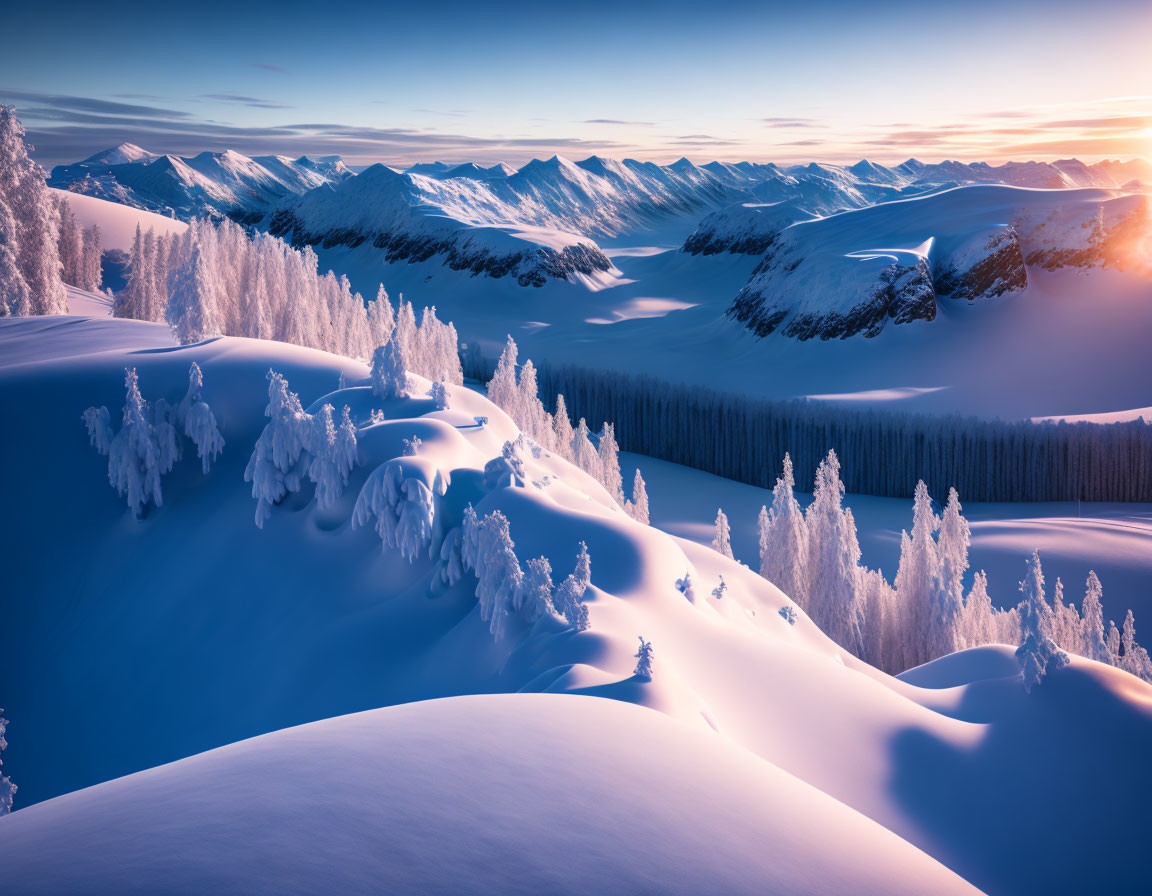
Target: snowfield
191 630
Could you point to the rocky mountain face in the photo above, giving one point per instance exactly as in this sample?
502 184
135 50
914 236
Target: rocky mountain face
856 272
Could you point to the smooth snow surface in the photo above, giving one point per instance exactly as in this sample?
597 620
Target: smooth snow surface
501 794
127 644
117 222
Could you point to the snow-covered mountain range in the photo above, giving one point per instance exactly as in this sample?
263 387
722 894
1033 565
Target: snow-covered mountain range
210 183
855 271
540 221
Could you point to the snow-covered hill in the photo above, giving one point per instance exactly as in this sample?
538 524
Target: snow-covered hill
192 629
499 795
854 272
211 183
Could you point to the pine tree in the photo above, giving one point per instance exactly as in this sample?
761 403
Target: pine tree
978 624
93 253
69 243
15 298
1038 653
927 628
381 318
35 220
569 598
584 454
784 540
722 539
833 564
638 506
608 454
280 458
7 788
503 390
389 365
643 655
535 599
439 395
562 429
134 457
1092 623
194 310
198 421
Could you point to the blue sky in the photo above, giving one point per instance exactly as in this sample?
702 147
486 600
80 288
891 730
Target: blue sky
511 81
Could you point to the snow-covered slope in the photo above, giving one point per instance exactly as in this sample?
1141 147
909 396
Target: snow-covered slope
192 629
855 271
213 183
501 794
117 222
409 217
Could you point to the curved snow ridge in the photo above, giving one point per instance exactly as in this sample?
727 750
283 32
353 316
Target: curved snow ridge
500 794
857 271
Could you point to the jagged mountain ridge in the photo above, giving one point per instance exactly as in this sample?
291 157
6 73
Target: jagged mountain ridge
218 184
855 271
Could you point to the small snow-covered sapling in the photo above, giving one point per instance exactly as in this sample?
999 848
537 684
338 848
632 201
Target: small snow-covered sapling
789 614
718 591
643 660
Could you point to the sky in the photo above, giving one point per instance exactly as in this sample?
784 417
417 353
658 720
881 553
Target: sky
510 81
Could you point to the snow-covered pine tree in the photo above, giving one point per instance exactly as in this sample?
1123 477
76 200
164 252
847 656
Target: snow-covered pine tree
720 590
978 625
23 189
562 429
638 506
503 390
15 299
722 534
500 579
535 598
280 458
1092 623
569 596
197 420
70 243
1038 653
194 309
439 394
381 318
389 366
685 587
584 453
92 255
7 788
134 456
926 626
952 549
533 419
643 655
784 540
608 454
834 561
1134 659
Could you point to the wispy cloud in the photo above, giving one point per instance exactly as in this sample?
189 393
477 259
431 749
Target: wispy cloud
236 99
86 104
619 121
267 66
791 122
